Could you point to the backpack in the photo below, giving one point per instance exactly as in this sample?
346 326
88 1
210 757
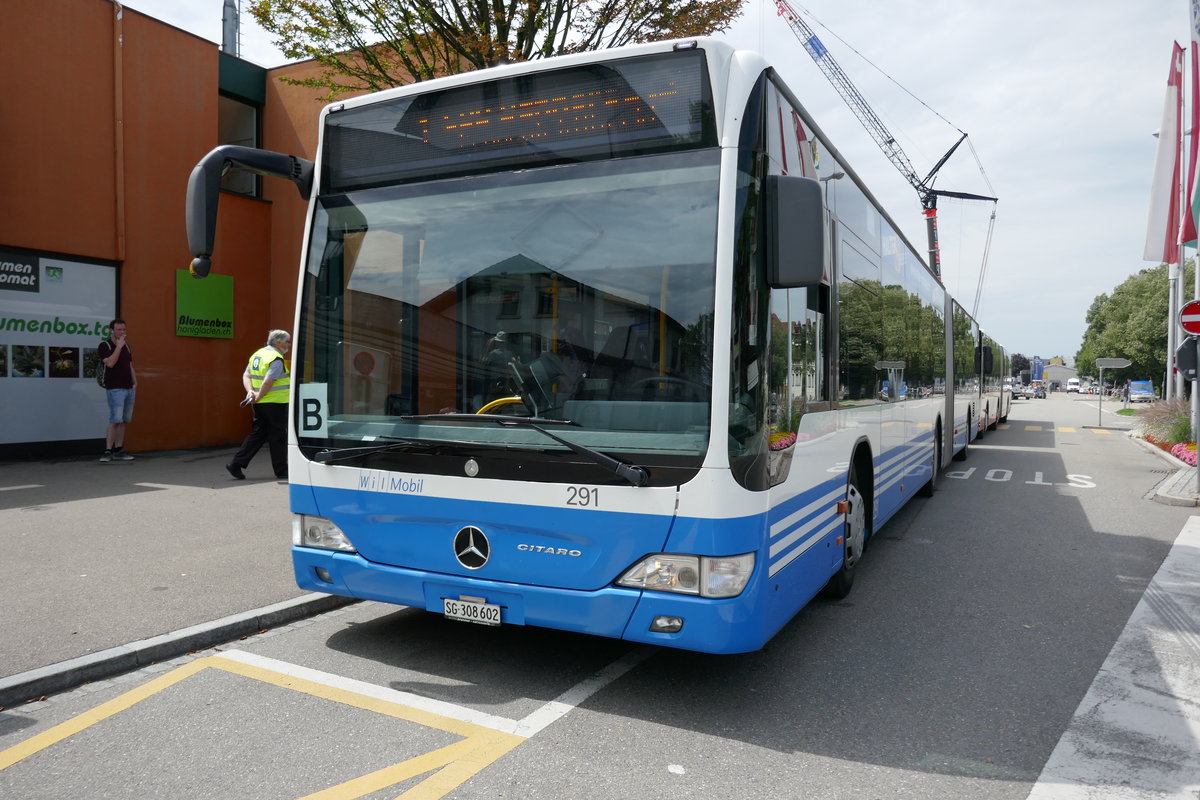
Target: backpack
101 370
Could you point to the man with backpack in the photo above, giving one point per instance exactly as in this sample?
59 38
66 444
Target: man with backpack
120 384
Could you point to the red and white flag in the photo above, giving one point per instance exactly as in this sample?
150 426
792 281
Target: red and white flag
1162 233
1191 205
1187 226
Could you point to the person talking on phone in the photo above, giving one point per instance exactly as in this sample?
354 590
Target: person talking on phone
120 387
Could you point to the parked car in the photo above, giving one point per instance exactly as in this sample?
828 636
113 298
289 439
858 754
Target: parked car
1142 392
1020 392
1072 385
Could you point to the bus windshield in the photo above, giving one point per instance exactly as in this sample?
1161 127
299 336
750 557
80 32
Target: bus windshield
553 293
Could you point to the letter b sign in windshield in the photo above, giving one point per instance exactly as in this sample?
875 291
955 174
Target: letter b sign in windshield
312 416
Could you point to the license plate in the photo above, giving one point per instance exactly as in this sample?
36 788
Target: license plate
472 609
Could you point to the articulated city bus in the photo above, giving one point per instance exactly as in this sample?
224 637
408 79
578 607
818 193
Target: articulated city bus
614 343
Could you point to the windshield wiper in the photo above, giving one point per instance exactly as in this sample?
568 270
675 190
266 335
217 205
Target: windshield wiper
636 475
328 456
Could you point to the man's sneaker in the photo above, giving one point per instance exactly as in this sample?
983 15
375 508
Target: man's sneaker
121 455
235 471
108 456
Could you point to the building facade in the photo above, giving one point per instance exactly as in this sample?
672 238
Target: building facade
111 112
1059 374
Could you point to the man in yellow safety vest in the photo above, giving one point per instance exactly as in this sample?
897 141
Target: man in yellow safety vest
267 384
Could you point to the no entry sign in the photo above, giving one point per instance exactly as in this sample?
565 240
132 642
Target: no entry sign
1189 317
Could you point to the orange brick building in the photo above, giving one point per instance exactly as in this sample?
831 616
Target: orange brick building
110 113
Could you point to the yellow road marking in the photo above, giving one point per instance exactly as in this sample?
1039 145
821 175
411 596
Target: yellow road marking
1033 427
1066 430
98 714
1102 431
451 765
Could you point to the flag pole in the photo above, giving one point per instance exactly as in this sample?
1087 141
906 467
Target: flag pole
1172 328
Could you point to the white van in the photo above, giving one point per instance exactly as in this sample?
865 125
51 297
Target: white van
1072 385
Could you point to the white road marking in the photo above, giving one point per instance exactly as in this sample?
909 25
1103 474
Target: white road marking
531 725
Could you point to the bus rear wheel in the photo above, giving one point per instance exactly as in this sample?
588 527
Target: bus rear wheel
961 455
930 486
854 538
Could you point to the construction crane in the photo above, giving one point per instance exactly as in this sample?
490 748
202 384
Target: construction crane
879 132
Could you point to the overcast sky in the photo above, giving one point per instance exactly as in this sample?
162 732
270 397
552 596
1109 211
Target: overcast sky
1060 99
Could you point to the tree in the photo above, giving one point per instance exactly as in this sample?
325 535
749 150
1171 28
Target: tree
1020 363
1131 323
366 45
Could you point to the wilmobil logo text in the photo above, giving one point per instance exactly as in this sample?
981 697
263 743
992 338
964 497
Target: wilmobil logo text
378 481
19 274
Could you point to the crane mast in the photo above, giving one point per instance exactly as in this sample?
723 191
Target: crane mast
878 131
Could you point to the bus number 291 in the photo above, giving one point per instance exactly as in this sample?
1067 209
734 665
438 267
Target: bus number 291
583 496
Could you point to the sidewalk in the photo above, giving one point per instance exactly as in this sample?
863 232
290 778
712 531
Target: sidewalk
1134 734
113 566
1179 489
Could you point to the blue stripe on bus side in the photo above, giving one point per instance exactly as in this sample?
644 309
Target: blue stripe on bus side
890 470
798 523
794 534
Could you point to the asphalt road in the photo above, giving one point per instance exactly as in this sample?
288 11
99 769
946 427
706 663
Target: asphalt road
985 627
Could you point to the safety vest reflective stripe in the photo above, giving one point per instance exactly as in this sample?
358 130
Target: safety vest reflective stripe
259 362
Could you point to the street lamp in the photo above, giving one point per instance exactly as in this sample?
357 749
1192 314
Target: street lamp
835 176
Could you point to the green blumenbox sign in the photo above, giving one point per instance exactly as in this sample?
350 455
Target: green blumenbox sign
203 307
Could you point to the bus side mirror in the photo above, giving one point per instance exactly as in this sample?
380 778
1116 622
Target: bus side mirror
795 217
204 187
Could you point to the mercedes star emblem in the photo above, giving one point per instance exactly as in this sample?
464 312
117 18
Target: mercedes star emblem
471 547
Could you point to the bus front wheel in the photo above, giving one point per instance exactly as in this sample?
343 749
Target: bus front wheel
853 539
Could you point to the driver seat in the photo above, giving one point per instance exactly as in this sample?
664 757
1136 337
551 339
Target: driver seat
624 359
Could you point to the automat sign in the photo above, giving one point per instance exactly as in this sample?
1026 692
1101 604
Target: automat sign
18 273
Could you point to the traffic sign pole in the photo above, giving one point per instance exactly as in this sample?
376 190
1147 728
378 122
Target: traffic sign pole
1189 320
1115 363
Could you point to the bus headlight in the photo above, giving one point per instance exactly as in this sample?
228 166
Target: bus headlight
725 577
320 533
699 575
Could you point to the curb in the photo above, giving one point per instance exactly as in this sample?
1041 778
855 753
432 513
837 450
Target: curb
65 675
1170 459
1163 493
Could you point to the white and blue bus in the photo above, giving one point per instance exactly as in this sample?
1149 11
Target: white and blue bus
614 343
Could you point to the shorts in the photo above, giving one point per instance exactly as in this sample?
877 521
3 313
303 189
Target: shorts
120 405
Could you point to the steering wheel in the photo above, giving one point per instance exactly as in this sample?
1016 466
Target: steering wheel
500 402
